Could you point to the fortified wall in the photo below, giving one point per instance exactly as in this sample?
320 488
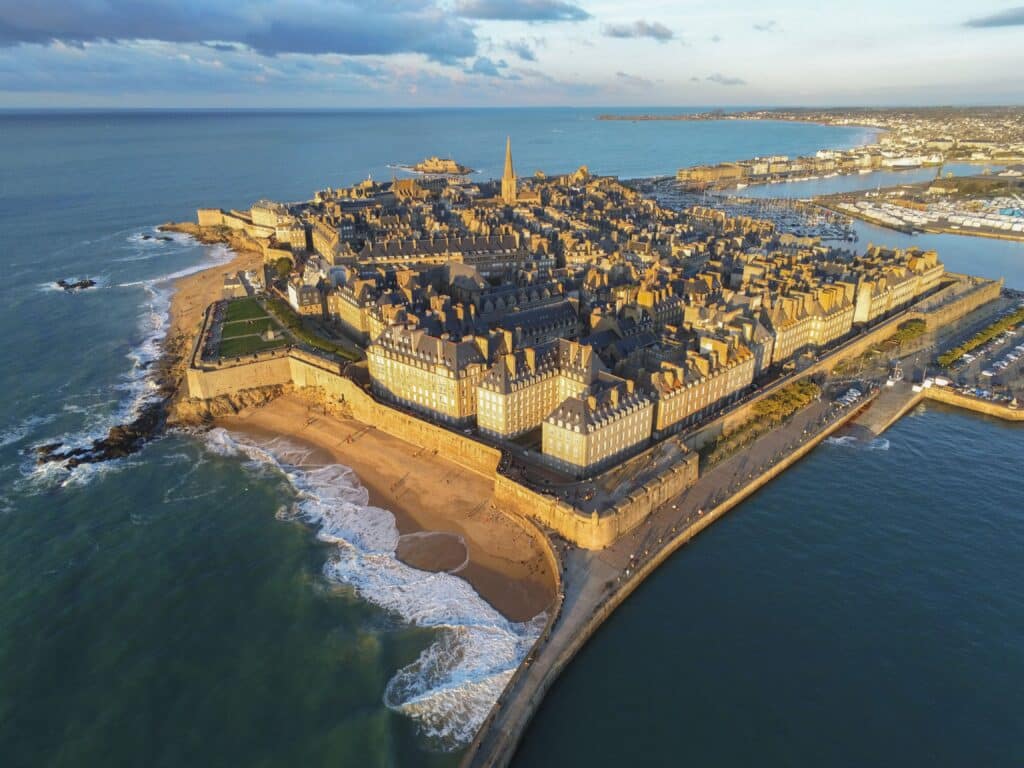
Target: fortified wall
215 217
598 530
301 369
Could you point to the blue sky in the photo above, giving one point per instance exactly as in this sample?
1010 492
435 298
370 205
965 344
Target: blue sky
380 53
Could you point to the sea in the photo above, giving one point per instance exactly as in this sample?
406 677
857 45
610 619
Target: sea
214 600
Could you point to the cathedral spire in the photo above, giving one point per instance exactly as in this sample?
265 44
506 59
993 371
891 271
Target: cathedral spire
508 178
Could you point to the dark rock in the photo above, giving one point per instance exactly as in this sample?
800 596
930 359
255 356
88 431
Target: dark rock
122 440
77 285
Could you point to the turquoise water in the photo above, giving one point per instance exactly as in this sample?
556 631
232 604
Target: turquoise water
170 608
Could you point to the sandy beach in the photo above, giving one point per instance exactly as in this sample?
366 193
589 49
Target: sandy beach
426 493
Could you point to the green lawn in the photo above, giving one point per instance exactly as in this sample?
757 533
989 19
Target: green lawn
288 317
243 309
247 327
247 345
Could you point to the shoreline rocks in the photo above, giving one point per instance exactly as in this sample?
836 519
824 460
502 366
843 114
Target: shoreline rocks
73 286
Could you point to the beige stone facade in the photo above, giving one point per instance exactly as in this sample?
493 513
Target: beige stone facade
587 433
701 385
435 376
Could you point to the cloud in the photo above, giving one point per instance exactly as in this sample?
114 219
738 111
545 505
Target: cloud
721 79
652 29
522 49
487 67
222 47
1011 17
633 80
288 26
520 10
767 26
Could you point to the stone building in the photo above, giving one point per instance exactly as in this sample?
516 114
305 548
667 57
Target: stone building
435 375
590 431
890 280
524 386
702 383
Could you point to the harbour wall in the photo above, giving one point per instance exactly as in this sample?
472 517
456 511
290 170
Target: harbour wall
986 407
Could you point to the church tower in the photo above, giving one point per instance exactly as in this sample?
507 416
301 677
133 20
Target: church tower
508 179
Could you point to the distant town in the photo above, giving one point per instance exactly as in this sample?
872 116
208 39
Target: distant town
622 371
908 138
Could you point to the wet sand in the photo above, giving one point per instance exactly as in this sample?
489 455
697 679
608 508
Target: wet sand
425 492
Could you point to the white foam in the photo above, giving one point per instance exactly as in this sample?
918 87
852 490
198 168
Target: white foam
217 255
451 687
850 441
19 432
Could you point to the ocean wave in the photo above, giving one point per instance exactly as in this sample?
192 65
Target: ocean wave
40 478
850 441
24 429
217 255
451 687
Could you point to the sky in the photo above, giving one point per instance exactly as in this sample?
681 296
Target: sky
410 53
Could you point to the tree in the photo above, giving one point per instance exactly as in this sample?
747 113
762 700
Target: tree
283 267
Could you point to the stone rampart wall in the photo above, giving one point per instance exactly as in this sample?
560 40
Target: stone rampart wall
594 531
987 407
267 370
966 303
309 371
210 217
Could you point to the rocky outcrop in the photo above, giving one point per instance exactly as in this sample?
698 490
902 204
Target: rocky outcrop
119 442
73 286
236 239
195 412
